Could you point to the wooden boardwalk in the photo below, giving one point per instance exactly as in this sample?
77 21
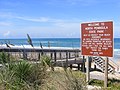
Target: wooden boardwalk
66 57
60 57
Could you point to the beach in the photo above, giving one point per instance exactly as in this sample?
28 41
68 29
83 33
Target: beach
60 56
18 53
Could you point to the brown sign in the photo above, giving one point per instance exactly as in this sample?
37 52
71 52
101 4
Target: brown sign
97 39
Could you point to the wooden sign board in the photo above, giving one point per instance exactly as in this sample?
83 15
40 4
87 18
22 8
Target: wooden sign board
97 39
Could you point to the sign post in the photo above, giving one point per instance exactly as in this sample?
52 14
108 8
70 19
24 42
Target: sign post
106 73
97 40
88 70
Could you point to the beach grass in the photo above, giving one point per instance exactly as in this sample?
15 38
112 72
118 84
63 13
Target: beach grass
24 75
113 84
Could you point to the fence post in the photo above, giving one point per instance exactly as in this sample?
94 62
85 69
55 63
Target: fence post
55 56
66 59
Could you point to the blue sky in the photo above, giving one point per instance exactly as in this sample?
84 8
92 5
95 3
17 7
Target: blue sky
54 18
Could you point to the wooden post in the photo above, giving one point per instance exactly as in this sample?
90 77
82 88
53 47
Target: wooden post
24 54
75 55
83 66
51 55
71 66
106 73
87 71
90 61
55 56
38 56
69 55
78 66
66 59
42 53
60 56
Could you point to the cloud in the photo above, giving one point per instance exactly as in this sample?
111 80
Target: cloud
13 16
6 34
41 19
47 20
72 2
6 15
10 15
44 19
5 24
64 29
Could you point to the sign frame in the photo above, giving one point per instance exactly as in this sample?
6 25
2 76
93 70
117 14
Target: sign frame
111 37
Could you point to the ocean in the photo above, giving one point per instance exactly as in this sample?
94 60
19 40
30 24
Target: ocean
54 42
59 42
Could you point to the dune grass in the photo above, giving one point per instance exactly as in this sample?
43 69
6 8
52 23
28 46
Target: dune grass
113 84
24 75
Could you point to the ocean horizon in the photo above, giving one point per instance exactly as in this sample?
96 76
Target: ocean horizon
54 42
59 42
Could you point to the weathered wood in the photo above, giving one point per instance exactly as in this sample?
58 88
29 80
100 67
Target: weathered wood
106 73
37 50
38 56
67 59
78 66
24 54
90 61
69 55
87 71
83 65
42 53
70 66
60 56
55 56
51 55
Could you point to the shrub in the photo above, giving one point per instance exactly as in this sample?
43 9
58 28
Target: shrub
4 57
45 61
37 75
113 84
8 79
22 70
65 80
24 75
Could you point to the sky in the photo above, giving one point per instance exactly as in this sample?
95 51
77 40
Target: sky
54 18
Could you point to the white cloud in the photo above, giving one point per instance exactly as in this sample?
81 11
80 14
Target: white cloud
55 30
48 20
6 15
6 34
12 16
5 24
41 19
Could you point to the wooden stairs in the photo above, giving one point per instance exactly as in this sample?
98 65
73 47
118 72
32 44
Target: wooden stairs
100 64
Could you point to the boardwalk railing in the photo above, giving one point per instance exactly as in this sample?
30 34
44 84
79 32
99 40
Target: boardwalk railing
60 56
35 53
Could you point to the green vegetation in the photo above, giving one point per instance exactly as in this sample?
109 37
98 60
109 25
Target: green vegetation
113 84
65 80
24 75
4 57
